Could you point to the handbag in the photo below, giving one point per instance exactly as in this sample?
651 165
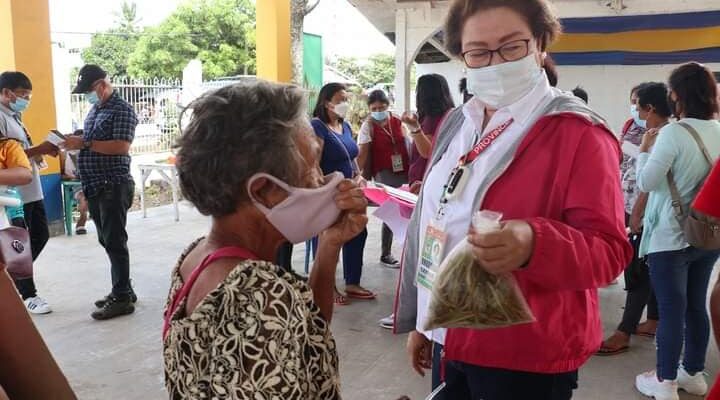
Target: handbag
701 230
15 252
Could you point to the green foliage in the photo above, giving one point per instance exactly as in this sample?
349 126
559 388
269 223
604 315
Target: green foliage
112 48
378 68
220 33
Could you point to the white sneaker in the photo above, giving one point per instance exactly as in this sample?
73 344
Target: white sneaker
387 322
693 384
37 305
649 385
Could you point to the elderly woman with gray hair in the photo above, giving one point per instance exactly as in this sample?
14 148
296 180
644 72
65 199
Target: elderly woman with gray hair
236 325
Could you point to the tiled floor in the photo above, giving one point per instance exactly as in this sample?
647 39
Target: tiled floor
121 358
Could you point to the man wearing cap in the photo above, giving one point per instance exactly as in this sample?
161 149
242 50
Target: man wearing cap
15 94
104 168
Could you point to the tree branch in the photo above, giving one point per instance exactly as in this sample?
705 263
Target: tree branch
309 8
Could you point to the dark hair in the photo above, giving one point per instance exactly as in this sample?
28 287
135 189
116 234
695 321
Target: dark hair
655 94
13 80
638 87
551 70
463 86
326 94
235 132
378 96
579 92
696 90
543 23
433 97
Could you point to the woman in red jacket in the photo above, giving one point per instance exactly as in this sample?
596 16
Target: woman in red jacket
708 202
550 165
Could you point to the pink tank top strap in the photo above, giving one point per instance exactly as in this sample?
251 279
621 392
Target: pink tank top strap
225 252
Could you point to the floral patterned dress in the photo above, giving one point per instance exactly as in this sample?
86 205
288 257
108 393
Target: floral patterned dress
258 335
633 134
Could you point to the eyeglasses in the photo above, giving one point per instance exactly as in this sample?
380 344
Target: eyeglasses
511 51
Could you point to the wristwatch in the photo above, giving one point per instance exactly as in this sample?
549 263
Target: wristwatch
416 131
87 144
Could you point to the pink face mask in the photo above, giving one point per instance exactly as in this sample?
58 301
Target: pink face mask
306 212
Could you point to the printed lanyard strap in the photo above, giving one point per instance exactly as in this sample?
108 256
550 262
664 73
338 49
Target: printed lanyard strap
484 143
458 176
342 145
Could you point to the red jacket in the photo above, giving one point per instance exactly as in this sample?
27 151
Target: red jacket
565 182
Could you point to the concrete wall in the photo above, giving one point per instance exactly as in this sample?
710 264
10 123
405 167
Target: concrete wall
452 71
609 86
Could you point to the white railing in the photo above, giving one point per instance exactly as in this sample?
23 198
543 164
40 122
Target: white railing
157 105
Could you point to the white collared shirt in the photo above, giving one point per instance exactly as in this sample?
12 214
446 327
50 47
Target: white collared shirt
11 127
459 211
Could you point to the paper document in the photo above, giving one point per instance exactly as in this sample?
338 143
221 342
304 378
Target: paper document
391 213
399 193
630 149
56 138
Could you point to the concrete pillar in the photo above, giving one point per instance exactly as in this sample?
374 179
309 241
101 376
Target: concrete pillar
274 60
402 62
25 46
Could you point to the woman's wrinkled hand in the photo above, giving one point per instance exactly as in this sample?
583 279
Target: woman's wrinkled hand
353 204
504 250
419 349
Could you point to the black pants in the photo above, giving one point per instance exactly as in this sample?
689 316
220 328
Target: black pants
284 256
108 209
386 240
639 290
37 225
470 382
637 297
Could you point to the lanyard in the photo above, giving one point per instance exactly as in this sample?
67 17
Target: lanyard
460 174
484 143
342 144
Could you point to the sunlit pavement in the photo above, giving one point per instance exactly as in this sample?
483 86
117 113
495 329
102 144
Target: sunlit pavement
121 358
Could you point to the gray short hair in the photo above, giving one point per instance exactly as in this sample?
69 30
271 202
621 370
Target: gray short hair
234 133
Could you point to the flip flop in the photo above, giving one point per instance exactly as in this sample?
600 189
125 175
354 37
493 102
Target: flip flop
80 231
341 300
605 351
360 294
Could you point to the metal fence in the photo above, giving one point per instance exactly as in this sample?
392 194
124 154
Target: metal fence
158 108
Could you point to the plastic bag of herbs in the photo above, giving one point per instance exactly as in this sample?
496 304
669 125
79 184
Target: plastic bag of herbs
464 295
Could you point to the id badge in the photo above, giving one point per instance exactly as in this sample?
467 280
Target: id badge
397 163
433 251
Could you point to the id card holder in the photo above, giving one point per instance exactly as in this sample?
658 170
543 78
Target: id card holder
397 163
433 250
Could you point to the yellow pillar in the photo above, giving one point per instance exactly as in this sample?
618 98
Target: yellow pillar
274 61
25 46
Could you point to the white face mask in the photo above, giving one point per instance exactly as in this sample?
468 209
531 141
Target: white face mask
306 212
341 109
636 116
501 85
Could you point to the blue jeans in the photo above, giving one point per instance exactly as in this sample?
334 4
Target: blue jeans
352 255
680 279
